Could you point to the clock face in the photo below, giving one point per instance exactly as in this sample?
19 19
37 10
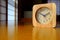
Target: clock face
43 15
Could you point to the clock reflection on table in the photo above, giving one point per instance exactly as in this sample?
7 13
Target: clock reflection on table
44 34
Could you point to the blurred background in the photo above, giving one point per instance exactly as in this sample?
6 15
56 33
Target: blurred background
20 11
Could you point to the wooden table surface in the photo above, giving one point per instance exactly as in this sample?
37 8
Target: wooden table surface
27 32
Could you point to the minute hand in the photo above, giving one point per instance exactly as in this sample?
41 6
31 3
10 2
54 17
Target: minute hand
43 15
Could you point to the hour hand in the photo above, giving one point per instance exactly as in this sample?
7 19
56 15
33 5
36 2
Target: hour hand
46 14
43 15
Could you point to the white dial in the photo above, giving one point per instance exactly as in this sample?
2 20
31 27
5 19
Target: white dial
43 15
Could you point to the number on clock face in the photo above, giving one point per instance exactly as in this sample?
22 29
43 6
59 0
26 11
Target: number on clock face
43 15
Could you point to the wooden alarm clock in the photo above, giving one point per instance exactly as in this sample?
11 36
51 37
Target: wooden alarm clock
44 15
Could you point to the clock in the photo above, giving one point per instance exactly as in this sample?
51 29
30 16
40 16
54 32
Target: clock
44 15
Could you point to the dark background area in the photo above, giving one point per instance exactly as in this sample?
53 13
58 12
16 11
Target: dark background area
26 5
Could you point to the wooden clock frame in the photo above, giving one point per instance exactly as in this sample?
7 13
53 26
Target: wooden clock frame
51 6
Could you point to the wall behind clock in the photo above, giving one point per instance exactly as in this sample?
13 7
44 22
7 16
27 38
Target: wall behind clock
25 7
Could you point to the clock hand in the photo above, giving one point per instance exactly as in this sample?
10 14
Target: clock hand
43 15
46 14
